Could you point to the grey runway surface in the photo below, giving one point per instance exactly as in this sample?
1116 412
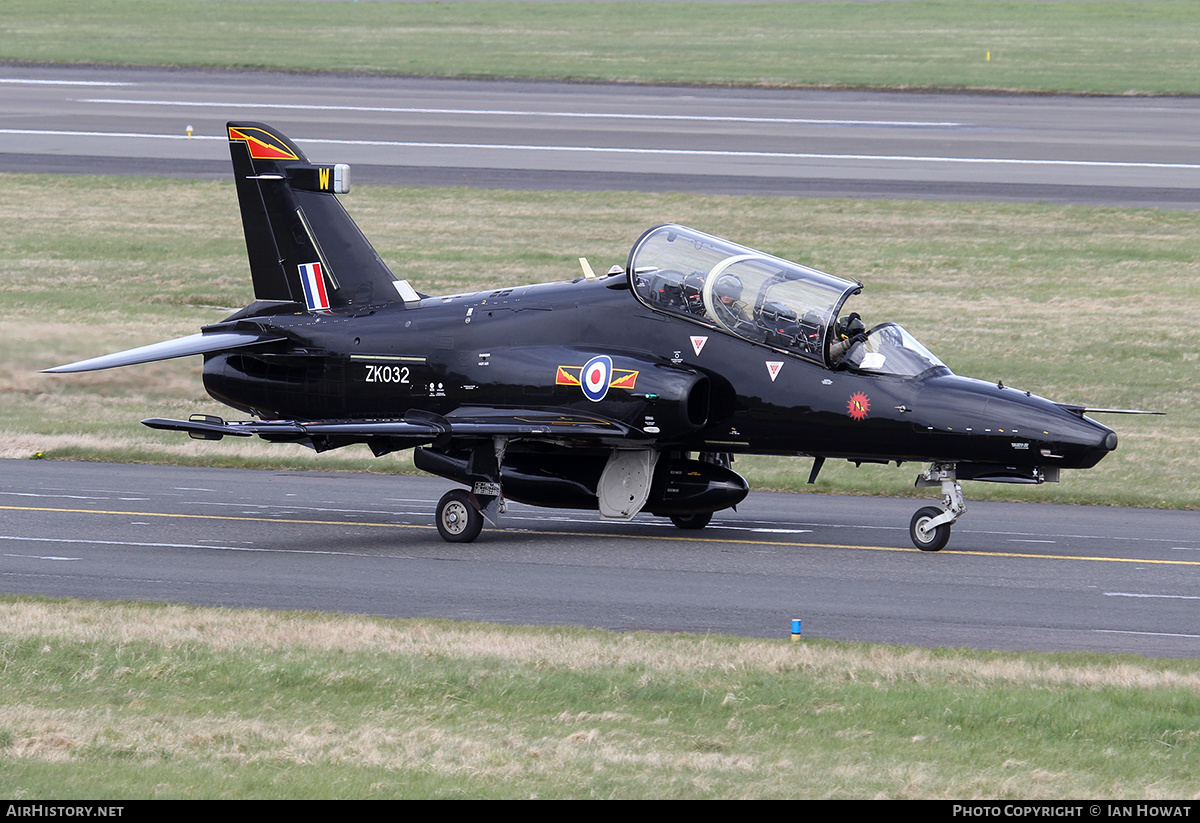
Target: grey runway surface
1016 576
1117 151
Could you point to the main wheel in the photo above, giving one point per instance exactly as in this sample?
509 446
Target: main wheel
691 521
924 538
458 521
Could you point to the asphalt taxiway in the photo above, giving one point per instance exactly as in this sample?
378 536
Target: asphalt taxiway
1016 576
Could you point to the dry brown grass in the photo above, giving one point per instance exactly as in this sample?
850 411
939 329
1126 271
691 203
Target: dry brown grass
156 700
231 630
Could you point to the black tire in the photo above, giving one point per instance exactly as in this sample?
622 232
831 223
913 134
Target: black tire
458 521
691 522
928 541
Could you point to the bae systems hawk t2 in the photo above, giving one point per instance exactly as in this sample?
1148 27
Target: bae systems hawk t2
624 393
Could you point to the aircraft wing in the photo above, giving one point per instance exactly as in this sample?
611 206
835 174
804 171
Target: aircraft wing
485 422
415 428
201 343
209 427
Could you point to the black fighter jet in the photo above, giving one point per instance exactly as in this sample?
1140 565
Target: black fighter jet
627 392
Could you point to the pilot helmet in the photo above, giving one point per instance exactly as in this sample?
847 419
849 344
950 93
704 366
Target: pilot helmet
850 326
728 288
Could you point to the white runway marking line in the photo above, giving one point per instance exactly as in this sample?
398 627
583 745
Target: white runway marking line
54 496
582 115
70 540
760 530
28 81
1154 596
265 508
761 155
138 545
41 557
1148 634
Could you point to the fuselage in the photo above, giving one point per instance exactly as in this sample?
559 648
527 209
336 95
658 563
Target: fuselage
678 385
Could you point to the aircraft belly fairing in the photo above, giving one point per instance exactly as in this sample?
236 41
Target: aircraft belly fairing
625 393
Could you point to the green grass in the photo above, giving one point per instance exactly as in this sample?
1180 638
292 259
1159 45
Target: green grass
1080 304
123 701
1146 47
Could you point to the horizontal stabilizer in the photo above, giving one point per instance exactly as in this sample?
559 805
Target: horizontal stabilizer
179 347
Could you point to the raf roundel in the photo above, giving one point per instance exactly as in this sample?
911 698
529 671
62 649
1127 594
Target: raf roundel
596 376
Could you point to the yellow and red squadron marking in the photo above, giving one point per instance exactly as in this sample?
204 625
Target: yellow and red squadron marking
262 144
571 376
858 406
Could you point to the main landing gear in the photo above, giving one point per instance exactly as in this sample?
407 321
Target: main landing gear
929 528
691 522
461 512
458 520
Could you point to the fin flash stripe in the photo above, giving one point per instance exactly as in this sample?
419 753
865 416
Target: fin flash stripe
262 144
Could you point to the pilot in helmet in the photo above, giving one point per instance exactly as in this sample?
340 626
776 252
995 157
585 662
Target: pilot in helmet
728 289
848 331
728 292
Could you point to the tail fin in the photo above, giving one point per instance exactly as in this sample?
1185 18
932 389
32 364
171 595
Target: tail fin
302 244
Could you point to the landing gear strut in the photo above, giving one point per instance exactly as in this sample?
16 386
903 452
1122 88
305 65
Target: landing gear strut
460 513
929 528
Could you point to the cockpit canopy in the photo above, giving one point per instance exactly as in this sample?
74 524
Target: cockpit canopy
889 349
755 296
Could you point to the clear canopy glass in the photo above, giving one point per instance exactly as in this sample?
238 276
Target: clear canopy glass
755 296
889 349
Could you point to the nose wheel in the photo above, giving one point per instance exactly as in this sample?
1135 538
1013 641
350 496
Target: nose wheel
929 528
925 537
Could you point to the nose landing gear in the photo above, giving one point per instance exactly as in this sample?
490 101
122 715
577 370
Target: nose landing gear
929 528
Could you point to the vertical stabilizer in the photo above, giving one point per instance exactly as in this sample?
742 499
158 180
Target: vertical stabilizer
302 244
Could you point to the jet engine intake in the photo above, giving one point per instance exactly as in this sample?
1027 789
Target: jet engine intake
678 405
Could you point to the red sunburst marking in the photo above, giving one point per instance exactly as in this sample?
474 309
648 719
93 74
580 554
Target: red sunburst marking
858 406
